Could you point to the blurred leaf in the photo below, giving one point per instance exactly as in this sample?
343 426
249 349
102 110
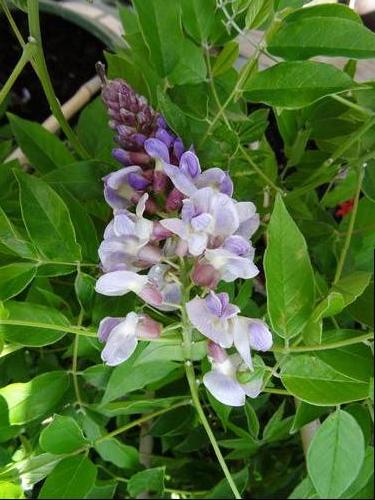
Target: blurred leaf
150 480
73 477
119 454
43 149
364 476
47 219
10 237
14 278
368 185
10 490
31 400
258 13
62 435
305 414
335 455
227 57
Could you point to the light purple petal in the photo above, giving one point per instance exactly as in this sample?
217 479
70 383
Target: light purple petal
106 326
225 389
176 226
216 179
214 304
201 222
121 342
197 243
260 336
157 149
120 282
224 212
189 164
180 180
122 225
237 245
208 324
115 179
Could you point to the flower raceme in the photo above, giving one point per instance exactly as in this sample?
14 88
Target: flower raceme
163 259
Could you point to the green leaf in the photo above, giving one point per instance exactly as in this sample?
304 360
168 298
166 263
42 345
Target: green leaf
305 414
43 149
10 490
84 286
305 489
160 25
14 278
29 333
363 477
11 238
368 184
83 179
63 435
191 67
47 219
289 275
119 454
296 84
258 13
130 376
202 20
308 33
227 57
335 455
102 490
31 400
72 478
95 135
150 480
352 286
312 380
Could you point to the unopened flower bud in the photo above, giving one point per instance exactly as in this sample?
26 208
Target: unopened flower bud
174 200
205 275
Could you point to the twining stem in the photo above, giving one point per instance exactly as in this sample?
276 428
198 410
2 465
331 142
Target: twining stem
190 375
353 215
23 60
141 420
12 23
45 80
324 347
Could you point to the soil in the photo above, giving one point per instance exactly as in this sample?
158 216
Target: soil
71 54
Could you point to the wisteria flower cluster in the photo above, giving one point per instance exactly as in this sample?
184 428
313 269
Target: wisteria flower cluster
176 228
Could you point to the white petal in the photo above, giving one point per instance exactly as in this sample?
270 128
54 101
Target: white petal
260 336
225 389
253 388
120 282
181 181
242 340
176 226
197 243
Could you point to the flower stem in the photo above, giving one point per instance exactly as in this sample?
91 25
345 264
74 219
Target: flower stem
23 60
75 362
45 80
195 397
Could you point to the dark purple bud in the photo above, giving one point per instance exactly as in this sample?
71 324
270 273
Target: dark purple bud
164 136
122 156
160 181
174 200
178 148
160 122
137 182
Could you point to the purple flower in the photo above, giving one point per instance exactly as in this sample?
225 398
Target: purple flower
234 259
206 216
124 187
217 319
121 336
223 381
126 243
250 333
213 317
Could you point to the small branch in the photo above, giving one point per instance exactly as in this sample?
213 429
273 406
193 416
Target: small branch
323 347
75 362
345 248
194 394
23 60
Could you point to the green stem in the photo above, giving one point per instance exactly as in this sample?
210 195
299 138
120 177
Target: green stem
46 326
353 105
43 75
345 248
324 347
23 60
75 362
261 174
141 420
194 394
